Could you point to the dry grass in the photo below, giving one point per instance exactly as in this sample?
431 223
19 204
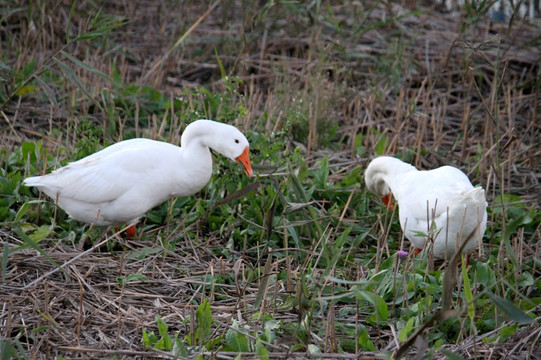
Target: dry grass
435 94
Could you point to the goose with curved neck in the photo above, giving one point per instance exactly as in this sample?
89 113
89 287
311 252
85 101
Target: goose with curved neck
123 181
440 204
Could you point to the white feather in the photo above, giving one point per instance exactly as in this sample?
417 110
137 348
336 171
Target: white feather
441 202
123 181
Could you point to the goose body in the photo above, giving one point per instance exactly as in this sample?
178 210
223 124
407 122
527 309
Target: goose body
123 181
441 202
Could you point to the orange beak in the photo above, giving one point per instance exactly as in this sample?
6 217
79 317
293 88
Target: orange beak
244 159
387 200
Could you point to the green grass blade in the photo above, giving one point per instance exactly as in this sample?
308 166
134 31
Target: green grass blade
514 313
87 67
48 92
467 290
5 255
70 16
28 241
73 78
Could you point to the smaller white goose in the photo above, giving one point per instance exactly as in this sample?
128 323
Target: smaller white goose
120 183
443 197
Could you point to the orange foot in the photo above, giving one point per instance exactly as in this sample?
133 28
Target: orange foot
417 251
130 231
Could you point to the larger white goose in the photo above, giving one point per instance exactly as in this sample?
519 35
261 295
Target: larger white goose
441 201
123 181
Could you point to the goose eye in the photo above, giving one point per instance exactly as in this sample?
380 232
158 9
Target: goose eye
237 141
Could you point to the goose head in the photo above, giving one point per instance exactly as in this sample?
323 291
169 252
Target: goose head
380 174
222 138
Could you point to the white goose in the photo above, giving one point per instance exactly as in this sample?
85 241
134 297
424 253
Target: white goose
442 200
120 183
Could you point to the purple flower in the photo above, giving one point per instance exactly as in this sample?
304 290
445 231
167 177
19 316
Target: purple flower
403 254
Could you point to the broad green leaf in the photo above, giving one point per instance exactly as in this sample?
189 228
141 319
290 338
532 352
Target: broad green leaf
149 339
359 140
270 325
29 151
381 310
261 350
236 340
507 332
321 174
526 279
314 349
179 349
485 274
509 309
24 90
204 320
404 333
41 233
165 342
381 145
364 340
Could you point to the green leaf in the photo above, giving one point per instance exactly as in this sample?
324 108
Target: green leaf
406 330
29 242
70 16
270 326
451 355
381 145
29 151
220 65
359 140
204 321
5 255
321 175
24 208
149 339
261 350
131 278
507 332
526 279
86 67
509 309
467 290
165 342
179 349
41 233
485 275
48 92
364 340
73 78
381 310
236 340
143 252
